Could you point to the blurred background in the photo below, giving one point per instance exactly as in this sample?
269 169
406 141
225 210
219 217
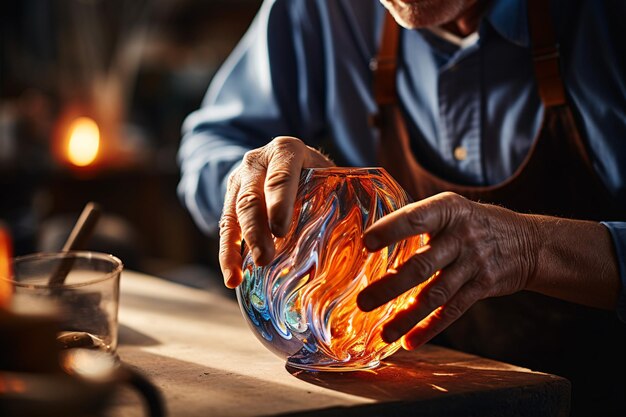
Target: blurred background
92 97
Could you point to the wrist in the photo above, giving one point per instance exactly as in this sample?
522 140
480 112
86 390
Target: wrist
575 261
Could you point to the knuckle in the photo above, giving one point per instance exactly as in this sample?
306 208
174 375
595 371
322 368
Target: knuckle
233 179
248 200
449 195
278 178
489 277
420 266
471 233
455 201
437 296
459 199
283 150
286 141
478 288
455 243
482 256
251 158
227 222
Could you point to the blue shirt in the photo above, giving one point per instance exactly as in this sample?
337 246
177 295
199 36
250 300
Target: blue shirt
472 111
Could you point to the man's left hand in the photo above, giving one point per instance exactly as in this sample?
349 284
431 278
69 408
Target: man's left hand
475 251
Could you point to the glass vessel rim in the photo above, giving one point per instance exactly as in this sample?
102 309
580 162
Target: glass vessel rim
117 264
347 171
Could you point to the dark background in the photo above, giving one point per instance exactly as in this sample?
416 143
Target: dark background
137 68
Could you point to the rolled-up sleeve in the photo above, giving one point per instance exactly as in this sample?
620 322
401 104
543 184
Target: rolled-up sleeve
269 86
618 233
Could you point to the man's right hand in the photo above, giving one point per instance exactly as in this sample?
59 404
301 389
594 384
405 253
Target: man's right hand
259 201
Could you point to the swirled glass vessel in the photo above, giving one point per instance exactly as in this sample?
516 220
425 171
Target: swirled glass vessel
302 306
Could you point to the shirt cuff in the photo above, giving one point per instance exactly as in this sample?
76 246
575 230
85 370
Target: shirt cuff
618 233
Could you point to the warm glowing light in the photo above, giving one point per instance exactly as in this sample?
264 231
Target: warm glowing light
11 385
84 142
438 388
5 268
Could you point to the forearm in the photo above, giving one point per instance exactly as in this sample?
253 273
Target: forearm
575 261
206 161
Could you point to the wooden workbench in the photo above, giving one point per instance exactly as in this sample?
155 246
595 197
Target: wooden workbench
195 346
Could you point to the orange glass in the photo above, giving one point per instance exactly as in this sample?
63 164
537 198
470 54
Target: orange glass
303 305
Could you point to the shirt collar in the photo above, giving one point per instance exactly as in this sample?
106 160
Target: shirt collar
510 19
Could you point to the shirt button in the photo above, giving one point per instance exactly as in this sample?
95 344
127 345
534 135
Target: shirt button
460 153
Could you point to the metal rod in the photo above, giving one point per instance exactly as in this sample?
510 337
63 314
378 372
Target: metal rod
81 232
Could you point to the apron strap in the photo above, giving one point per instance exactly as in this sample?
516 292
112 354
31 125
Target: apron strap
385 65
545 53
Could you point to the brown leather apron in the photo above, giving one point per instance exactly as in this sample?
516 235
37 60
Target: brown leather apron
556 178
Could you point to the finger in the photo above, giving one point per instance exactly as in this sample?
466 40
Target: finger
230 238
441 252
251 212
437 292
281 182
442 317
426 216
287 158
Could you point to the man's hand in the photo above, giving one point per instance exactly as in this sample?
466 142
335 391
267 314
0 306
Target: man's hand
479 250
259 201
